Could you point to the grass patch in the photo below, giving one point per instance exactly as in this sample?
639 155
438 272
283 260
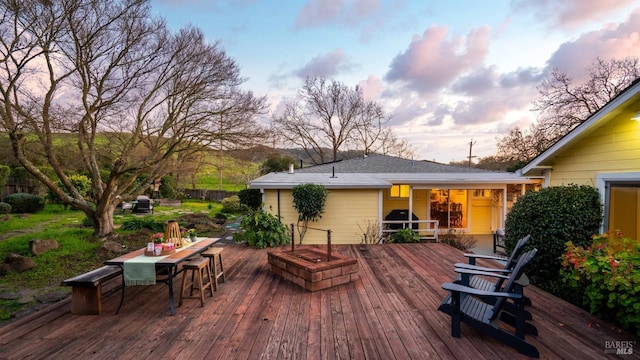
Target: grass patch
8 307
77 251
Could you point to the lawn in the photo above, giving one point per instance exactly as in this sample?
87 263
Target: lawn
77 251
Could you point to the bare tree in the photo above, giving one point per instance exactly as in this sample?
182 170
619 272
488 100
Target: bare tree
389 144
521 146
234 131
562 106
92 68
369 130
330 116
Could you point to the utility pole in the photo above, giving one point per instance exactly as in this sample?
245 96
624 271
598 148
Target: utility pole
471 143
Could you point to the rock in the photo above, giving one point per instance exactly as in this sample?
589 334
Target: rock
110 248
26 300
19 263
9 296
51 297
38 247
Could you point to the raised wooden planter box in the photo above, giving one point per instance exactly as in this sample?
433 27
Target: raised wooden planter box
310 269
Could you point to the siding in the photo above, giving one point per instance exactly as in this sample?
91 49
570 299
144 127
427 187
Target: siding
345 213
420 204
614 147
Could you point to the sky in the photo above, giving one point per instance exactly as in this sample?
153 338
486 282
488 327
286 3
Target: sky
449 72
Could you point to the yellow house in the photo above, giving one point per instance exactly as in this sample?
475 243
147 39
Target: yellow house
380 194
604 152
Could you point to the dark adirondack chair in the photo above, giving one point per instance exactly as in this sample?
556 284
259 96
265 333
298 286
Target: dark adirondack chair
468 305
482 283
510 261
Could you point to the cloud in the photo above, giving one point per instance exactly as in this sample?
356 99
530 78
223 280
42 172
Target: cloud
217 4
489 97
481 97
369 16
612 41
568 13
435 59
410 110
475 83
325 66
371 88
345 12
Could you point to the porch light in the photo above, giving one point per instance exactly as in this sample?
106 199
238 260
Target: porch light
636 117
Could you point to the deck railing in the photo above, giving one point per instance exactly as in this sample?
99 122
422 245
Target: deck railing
427 229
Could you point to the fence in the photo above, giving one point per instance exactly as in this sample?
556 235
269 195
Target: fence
427 232
12 187
209 195
32 187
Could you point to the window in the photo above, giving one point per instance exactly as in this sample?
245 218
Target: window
624 209
620 194
399 191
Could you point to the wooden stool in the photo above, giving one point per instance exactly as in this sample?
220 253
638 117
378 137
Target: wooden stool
197 267
211 254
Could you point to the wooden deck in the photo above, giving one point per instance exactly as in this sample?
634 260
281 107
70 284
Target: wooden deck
390 312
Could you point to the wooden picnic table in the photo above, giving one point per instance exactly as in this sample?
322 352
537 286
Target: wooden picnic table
167 265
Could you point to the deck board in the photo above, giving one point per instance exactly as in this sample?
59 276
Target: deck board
389 312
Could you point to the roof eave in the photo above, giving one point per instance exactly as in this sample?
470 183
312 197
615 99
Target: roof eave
594 120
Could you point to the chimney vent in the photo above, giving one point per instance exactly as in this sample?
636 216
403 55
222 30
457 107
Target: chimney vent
290 168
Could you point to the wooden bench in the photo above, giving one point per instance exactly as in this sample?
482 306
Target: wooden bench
86 292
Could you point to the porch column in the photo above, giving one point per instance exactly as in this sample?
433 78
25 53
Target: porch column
504 206
380 206
410 207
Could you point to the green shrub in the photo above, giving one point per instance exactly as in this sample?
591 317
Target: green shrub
231 204
553 216
5 208
309 201
169 187
220 216
81 182
143 223
24 203
276 162
405 235
606 274
87 222
261 229
251 198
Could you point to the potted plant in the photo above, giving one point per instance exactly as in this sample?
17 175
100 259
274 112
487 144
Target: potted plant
157 238
191 234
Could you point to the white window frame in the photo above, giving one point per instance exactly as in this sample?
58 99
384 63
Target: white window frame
603 180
